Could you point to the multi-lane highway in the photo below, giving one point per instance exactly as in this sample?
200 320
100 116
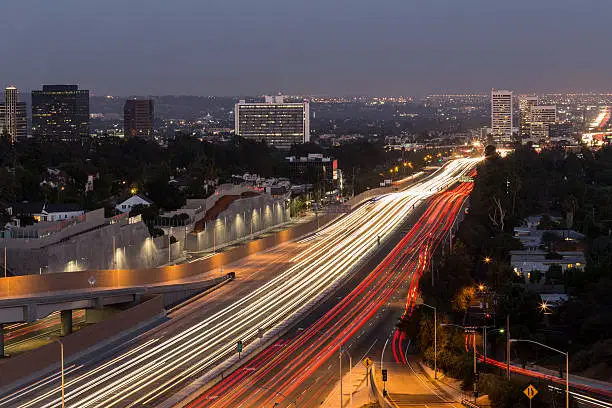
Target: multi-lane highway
272 288
20 337
278 376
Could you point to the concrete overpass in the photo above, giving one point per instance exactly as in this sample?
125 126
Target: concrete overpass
30 297
29 308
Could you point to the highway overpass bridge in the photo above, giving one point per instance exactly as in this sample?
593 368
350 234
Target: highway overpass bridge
31 297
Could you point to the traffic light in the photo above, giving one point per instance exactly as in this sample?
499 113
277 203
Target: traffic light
384 374
239 346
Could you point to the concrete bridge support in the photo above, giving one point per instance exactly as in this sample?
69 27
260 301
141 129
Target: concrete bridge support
1 340
66 322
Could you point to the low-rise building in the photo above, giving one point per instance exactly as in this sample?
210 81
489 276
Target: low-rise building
45 212
129 203
313 168
528 263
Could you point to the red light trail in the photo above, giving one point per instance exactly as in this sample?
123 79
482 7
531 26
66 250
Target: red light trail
286 368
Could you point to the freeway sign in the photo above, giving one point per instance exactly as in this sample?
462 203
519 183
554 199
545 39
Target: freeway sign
530 391
367 362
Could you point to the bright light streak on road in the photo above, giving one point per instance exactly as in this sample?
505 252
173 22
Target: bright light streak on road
142 377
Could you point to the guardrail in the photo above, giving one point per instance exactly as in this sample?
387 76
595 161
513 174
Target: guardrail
382 400
467 403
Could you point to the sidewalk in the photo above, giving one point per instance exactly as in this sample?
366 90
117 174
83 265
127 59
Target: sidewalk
450 386
355 386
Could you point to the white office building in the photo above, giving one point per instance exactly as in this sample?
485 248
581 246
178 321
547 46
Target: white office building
501 116
13 120
278 123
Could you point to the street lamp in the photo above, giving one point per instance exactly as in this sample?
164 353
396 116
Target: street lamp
485 329
473 347
544 308
435 337
566 354
350 376
382 356
487 260
62 366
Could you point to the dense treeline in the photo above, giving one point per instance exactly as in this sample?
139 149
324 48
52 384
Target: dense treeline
578 189
124 165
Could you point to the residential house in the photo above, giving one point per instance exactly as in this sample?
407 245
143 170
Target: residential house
45 212
129 203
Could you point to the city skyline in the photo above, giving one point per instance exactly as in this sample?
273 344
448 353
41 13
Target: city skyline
235 49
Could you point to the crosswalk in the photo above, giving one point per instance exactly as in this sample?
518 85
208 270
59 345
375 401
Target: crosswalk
420 401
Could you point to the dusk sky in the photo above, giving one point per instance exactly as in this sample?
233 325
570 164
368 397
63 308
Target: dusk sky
324 47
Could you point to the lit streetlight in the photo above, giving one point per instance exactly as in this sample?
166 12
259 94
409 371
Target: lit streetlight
565 353
435 337
545 308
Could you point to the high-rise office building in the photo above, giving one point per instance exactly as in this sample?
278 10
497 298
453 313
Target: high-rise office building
276 122
138 117
13 119
501 116
542 116
525 104
60 112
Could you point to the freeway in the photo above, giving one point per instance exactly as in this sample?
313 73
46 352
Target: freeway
282 375
20 337
272 288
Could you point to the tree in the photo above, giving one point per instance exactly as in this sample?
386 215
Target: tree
554 273
497 214
462 300
490 151
535 276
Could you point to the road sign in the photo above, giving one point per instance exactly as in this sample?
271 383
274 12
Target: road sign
367 362
384 374
530 391
239 346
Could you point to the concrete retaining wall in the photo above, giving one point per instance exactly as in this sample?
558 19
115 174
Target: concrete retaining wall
242 218
117 278
23 285
94 250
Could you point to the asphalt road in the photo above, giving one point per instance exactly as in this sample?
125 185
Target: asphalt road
271 288
21 337
301 369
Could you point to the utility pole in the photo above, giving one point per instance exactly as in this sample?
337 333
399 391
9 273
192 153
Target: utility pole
340 358
484 345
114 254
475 368
508 347
5 262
